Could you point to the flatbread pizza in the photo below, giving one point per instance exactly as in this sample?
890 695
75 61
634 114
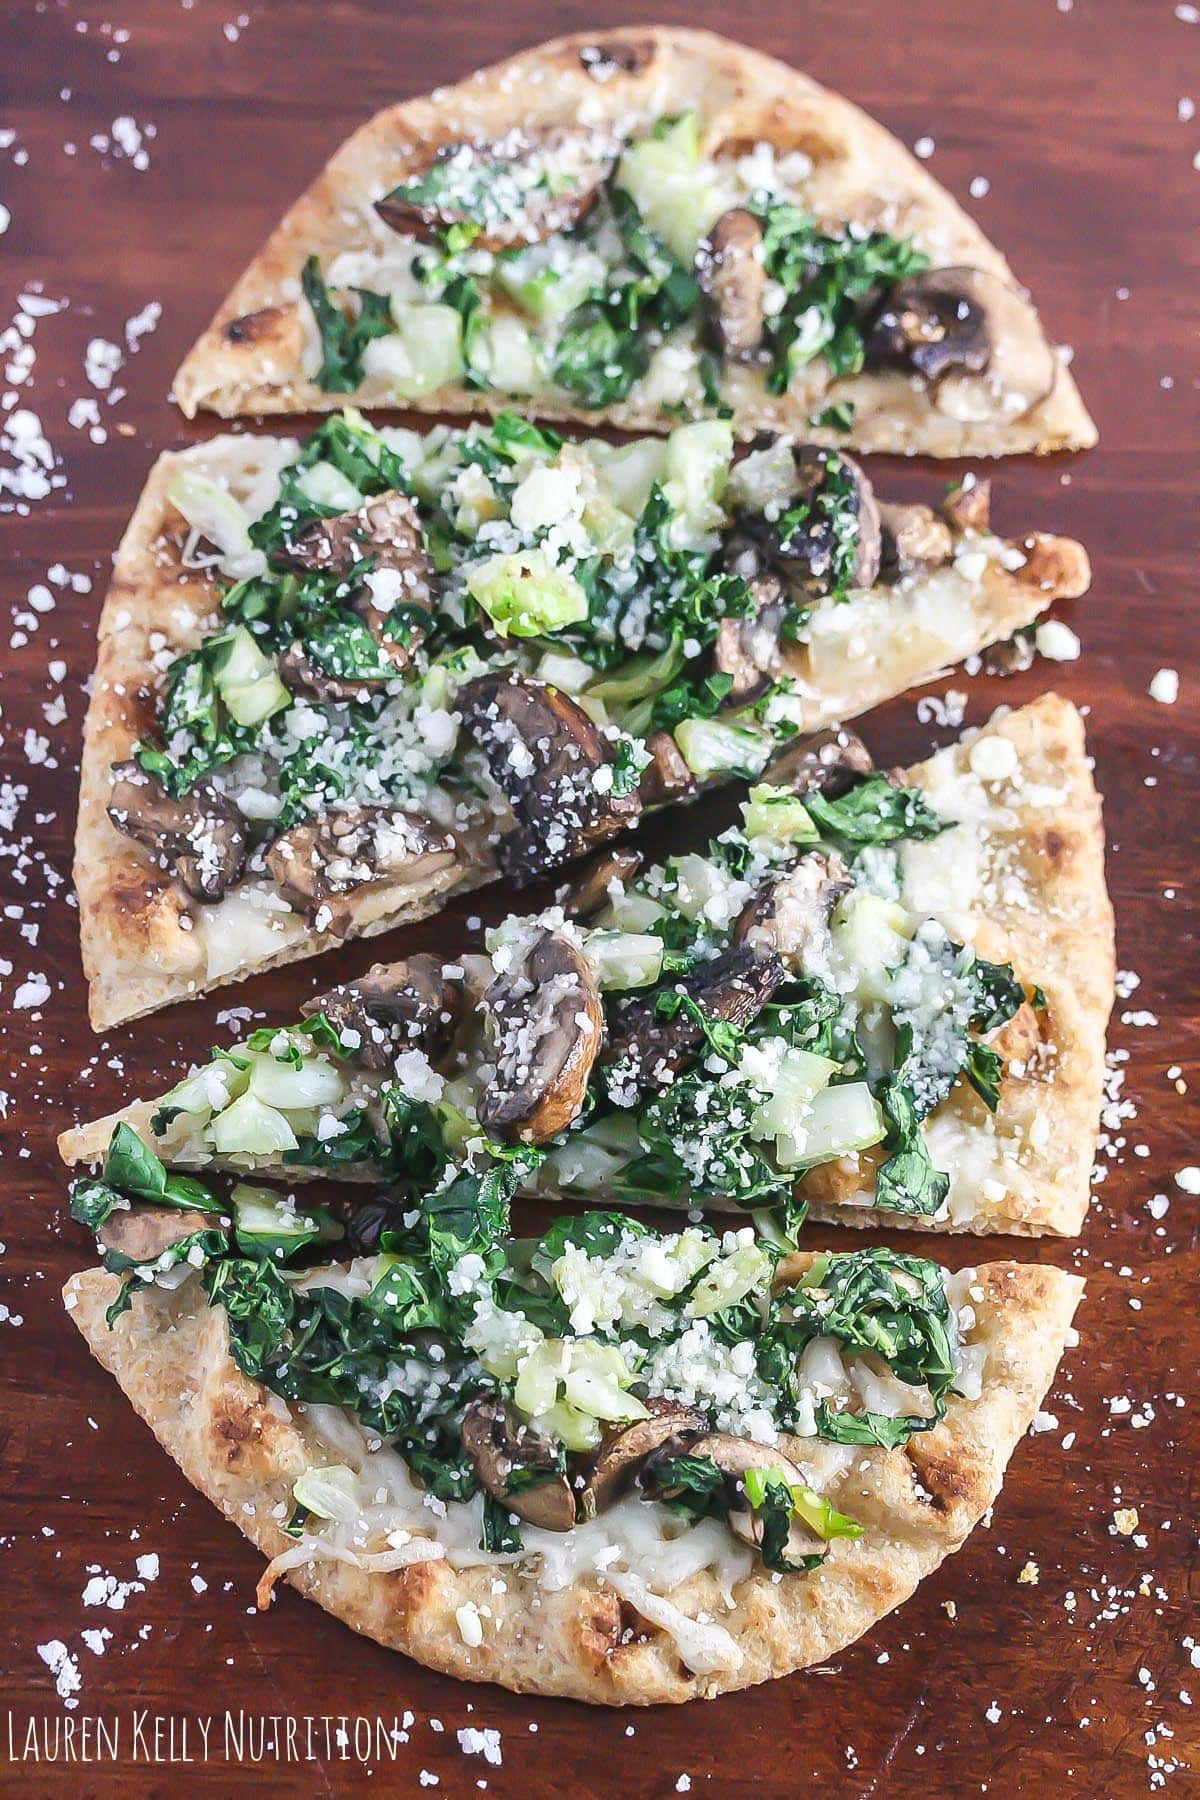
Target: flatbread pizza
878 998
340 680
605 1462
636 227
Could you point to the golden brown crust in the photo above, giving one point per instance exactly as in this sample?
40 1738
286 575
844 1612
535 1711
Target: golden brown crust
243 1449
251 358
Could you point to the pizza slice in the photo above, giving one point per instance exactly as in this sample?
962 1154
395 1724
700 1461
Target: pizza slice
341 680
881 996
608 1462
637 227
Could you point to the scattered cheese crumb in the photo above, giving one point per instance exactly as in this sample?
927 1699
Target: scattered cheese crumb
1165 687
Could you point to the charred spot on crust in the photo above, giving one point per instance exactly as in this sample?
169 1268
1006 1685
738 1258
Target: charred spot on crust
945 1483
624 57
253 328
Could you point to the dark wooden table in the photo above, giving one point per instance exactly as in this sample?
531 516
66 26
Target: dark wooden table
1076 119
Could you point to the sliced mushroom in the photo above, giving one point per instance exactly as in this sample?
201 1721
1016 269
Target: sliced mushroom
733 279
969 334
666 776
748 650
625 1448
829 762
316 865
304 676
1012 657
789 913
554 766
406 1005
833 514
201 835
735 1457
913 537
589 895
144 1233
968 507
516 192
605 61
499 1444
388 531
366 1221
547 1021
649 1049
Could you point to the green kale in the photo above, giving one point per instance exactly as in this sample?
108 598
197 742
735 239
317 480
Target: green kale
879 1302
696 1133
356 1145
831 280
343 339
907 1182
873 812
501 1530
606 343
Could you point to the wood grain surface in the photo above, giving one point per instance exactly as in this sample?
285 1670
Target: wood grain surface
1053 1655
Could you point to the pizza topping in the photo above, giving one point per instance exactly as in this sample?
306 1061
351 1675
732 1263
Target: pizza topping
518 1466
650 1040
381 543
140 1236
828 762
317 866
402 1005
733 279
546 1021
625 1449
503 195
557 769
913 537
953 327
593 890
515 1388
199 835
607 629
666 776
828 539
789 914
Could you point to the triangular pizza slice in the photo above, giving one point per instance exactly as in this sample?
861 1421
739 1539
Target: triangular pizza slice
880 997
607 1462
341 679
637 227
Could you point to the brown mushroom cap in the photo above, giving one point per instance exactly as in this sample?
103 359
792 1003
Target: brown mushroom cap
809 555
317 864
666 776
538 181
200 835
735 1457
789 913
144 1233
953 325
651 1050
733 278
553 765
913 538
829 762
397 1006
388 530
547 1022
968 506
625 1448
497 1444
589 895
